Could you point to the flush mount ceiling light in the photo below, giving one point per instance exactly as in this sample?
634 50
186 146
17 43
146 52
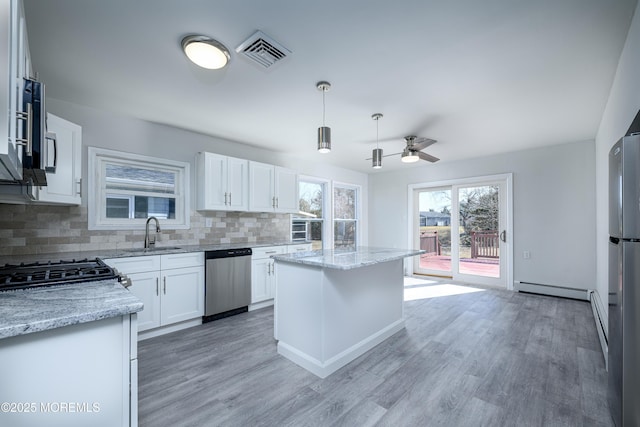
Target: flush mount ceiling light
376 157
409 156
205 52
324 132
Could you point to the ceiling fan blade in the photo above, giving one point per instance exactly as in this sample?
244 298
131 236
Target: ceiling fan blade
421 143
427 157
386 155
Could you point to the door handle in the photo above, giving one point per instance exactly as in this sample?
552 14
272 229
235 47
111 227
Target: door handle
225 198
164 285
503 236
157 286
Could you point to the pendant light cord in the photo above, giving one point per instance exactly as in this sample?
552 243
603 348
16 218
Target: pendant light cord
377 142
323 107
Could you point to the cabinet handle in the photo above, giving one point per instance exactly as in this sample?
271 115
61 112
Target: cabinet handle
225 198
164 285
28 141
157 286
273 202
79 187
270 252
277 202
51 137
229 199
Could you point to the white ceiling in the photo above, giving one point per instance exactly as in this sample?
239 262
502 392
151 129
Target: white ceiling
481 77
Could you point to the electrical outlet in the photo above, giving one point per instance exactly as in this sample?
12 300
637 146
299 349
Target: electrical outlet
208 222
526 255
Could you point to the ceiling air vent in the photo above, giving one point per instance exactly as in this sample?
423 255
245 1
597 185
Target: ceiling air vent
263 50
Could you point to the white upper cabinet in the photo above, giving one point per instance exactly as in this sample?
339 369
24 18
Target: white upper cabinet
63 184
272 188
15 66
222 182
286 190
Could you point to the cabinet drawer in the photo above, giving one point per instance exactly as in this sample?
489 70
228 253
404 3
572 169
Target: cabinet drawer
304 247
190 259
135 264
267 251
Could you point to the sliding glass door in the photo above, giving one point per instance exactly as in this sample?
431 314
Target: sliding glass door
463 229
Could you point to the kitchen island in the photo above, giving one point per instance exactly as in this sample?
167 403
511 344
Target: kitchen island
332 306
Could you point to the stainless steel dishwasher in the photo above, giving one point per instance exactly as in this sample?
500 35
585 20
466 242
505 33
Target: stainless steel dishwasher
227 283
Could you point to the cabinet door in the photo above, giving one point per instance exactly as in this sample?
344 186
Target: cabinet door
212 181
261 280
238 184
63 186
261 185
182 294
146 286
286 190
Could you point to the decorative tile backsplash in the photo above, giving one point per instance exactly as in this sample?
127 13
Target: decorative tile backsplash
33 229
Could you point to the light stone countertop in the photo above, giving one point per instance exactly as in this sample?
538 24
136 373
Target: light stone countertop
162 249
347 259
39 309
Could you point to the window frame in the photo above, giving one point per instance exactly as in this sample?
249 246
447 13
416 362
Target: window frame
327 235
96 205
357 212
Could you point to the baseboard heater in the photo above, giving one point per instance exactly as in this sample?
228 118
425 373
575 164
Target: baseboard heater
601 324
556 291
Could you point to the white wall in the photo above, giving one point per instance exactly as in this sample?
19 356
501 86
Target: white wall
553 208
117 132
622 106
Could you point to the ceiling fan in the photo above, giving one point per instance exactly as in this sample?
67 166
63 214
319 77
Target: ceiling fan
412 152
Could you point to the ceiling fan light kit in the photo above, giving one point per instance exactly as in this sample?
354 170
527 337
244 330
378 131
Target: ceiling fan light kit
376 157
324 132
409 156
205 52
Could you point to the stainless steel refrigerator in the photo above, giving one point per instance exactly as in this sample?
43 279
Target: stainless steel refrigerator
624 281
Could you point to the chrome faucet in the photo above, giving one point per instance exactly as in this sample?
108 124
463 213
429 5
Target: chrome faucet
151 241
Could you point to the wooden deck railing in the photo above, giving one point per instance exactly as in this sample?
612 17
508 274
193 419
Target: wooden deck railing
485 244
429 242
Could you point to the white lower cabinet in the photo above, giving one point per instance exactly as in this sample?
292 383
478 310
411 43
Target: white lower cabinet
170 286
79 375
263 269
263 273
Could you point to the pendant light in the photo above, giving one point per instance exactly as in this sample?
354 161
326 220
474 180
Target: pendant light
324 132
376 157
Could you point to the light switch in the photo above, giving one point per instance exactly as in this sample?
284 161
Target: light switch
526 255
208 222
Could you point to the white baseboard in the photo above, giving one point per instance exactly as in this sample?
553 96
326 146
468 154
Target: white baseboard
150 333
261 304
323 369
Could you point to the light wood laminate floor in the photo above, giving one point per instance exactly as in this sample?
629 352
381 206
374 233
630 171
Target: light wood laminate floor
486 358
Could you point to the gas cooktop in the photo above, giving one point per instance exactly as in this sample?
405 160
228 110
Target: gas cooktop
23 276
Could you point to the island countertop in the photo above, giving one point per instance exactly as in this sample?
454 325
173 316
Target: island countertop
343 259
39 309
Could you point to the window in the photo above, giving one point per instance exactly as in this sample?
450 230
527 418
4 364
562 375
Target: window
345 216
125 189
308 224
